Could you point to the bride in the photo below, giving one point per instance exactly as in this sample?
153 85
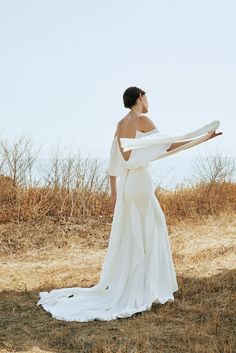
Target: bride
138 268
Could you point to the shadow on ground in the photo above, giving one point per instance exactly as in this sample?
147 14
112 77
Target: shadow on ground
200 320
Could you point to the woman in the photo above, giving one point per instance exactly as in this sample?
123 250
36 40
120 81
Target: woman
135 123
138 269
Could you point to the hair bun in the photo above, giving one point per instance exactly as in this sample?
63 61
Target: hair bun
131 95
127 102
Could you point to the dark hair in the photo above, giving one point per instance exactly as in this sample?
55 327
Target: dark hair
130 96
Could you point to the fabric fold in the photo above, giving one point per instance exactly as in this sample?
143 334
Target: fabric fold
158 138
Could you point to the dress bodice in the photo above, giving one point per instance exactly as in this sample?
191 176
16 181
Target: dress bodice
153 145
138 157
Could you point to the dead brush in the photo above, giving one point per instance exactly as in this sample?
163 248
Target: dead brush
74 188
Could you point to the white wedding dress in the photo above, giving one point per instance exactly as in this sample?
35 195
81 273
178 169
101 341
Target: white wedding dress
138 269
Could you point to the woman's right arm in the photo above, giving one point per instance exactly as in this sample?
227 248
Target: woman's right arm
209 136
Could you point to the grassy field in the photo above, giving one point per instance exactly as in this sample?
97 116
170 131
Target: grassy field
54 233
45 255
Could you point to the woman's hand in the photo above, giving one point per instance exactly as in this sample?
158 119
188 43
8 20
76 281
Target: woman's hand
214 134
113 201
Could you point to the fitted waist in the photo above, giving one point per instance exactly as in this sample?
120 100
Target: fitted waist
135 168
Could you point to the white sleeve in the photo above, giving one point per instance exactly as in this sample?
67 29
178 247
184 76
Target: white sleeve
187 145
159 138
115 166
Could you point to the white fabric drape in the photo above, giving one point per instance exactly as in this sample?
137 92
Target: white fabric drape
138 268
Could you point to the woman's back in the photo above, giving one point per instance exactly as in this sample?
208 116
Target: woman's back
128 127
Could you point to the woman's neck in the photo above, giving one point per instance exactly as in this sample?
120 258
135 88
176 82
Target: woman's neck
136 112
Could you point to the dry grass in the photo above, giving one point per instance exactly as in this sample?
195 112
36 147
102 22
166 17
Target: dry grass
74 188
48 255
54 234
198 201
79 205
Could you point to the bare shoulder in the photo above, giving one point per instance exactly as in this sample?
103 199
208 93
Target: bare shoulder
117 126
121 121
146 124
120 124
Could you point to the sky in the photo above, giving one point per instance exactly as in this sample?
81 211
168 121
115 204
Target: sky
64 65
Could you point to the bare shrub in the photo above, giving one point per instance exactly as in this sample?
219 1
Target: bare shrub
214 168
17 159
74 172
74 188
214 175
72 182
211 190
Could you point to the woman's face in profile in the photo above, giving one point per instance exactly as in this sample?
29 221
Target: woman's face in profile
144 104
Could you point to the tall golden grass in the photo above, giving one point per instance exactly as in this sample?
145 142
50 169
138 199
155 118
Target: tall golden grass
76 188
36 203
199 201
